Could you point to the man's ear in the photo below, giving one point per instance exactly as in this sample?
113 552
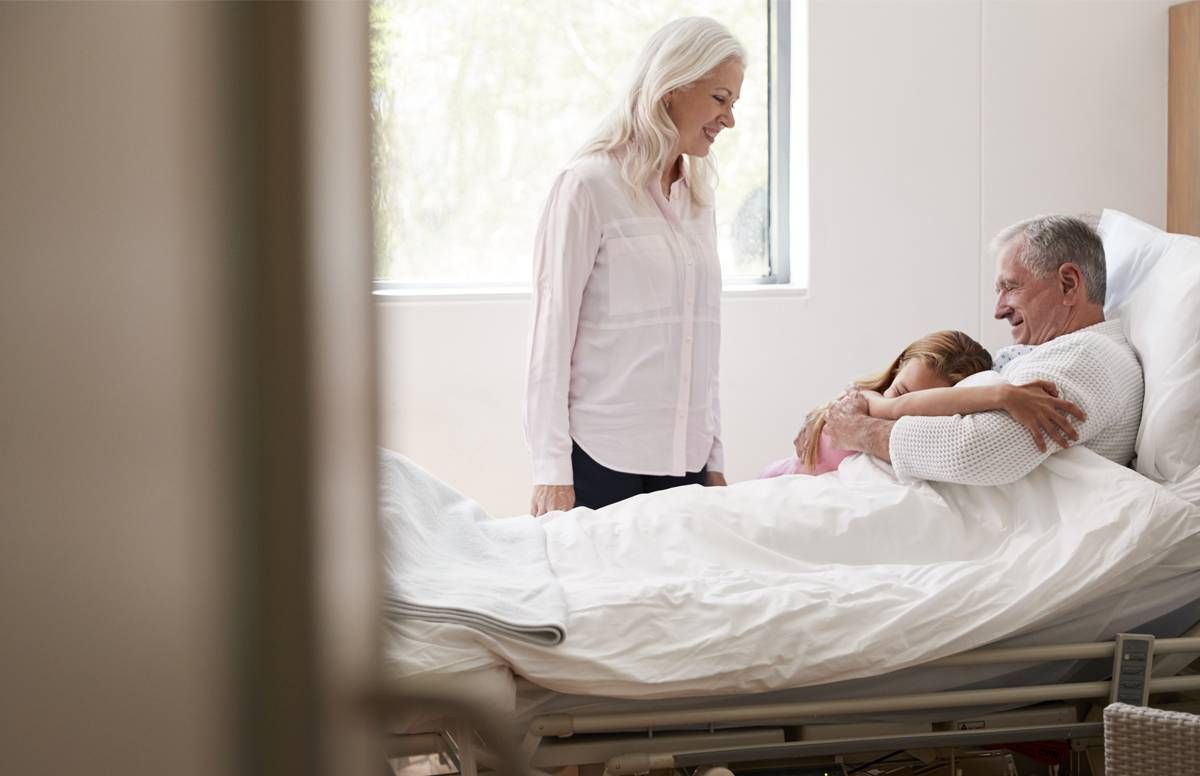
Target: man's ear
1070 282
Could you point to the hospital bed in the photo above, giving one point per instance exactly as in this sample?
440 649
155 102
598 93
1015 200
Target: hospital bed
1045 683
963 712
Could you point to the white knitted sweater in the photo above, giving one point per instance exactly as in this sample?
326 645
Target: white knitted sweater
1094 367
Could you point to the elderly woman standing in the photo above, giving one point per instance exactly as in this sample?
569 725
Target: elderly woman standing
622 387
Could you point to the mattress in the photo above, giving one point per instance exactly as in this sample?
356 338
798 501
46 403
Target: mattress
1163 610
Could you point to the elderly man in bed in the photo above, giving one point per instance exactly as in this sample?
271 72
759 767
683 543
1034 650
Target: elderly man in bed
1050 288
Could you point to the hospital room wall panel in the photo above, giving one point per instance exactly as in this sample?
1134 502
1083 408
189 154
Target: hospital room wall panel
451 386
1074 100
893 165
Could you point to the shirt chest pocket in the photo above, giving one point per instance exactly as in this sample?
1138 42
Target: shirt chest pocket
641 275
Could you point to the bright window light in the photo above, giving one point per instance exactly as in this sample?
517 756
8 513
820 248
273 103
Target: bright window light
477 106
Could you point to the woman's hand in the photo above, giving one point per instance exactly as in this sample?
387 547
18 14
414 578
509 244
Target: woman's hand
714 480
552 498
1038 408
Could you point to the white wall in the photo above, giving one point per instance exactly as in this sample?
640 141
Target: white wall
933 124
1074 115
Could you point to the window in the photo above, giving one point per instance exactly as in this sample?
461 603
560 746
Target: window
476 107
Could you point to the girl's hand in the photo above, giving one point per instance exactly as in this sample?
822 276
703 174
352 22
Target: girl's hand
877 404
1038 408
714 480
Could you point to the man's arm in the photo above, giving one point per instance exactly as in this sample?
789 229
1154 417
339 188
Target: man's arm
987 448
1035 406
991 448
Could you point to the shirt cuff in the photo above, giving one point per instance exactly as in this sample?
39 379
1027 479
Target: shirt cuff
553 471
716 457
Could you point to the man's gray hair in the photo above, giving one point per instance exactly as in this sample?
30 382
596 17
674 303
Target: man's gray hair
1048 242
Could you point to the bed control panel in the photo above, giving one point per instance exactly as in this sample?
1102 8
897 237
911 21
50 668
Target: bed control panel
1132 660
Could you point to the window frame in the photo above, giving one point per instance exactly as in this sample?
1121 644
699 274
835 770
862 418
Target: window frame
787 204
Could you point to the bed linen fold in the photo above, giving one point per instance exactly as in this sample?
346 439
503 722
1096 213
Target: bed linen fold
446 560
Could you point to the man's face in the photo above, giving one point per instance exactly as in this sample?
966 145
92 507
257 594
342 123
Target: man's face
1032 305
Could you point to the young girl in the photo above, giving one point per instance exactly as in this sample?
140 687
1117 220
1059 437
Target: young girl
918 382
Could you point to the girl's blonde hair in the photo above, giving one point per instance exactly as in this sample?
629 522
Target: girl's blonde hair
638 131
951 354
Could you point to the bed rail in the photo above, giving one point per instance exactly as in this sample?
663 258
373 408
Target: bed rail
796 713
559 725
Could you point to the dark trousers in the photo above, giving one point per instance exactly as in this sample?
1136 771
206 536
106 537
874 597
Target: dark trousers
597 486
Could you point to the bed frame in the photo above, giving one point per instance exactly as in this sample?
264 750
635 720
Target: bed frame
830 734
947 727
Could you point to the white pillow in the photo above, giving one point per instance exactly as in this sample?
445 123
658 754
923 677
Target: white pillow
1131 249
1162 321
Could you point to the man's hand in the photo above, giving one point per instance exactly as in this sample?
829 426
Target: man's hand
1038 407
843 421
552 498
851 426
714 480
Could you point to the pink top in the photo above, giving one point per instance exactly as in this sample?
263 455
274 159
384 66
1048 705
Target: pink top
828 459
626 329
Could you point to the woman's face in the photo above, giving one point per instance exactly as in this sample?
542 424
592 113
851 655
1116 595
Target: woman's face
915 375
703 109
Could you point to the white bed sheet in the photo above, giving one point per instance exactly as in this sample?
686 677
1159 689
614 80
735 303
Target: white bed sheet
803 581
1165 608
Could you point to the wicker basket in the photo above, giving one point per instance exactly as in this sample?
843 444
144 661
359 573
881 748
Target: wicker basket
1140 740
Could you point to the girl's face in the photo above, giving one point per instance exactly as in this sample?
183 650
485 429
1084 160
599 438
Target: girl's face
915 375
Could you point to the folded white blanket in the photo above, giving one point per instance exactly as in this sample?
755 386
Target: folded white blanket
446 560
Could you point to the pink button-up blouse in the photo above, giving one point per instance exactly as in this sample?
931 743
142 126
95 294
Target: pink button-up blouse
626 329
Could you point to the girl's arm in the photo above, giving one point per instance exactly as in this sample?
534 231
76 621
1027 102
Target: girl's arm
1035 405
937 401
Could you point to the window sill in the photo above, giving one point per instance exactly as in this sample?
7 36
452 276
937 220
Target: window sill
519 293
762 290
452 294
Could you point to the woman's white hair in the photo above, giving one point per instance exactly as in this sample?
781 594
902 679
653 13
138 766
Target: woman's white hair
638 131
